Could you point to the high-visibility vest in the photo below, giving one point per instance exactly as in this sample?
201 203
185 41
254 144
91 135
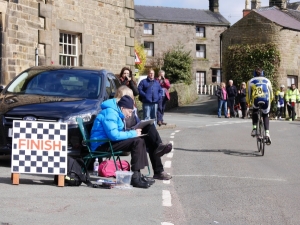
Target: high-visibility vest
292 95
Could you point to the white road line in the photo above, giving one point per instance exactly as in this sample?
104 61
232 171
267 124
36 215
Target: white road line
177 131
218 176
166 181
173 134
166 223
170 155
167 164
166 198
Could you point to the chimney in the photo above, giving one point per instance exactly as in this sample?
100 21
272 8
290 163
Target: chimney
247 9
255 4
281 4
214 5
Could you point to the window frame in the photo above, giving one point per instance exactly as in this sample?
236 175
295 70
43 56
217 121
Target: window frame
68 58
216 73
199 33
198 52
290 82
150 29
149 51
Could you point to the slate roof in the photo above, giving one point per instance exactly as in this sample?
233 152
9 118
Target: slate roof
287 18
294 5
178 15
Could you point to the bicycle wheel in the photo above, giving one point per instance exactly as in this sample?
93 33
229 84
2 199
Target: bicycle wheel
263 137
258 137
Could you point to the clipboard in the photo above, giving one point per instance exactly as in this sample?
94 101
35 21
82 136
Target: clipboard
143 123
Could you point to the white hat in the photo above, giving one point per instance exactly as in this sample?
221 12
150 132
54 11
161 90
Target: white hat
282 86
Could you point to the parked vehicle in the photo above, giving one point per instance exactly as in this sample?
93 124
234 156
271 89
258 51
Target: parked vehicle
55 94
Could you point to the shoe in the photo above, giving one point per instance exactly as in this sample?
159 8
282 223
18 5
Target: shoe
159 123
290 119
253 132
163 123
162 176
276 118
148 180
139 183
227 117
280 118
268 139
219 116
163 149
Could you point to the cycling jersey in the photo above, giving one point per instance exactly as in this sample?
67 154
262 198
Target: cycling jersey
259 89
280 98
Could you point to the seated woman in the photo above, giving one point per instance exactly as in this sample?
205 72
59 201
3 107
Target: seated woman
156 148
109 125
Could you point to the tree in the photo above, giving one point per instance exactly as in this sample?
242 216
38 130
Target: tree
178 65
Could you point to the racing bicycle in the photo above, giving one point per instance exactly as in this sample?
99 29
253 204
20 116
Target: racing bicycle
260 131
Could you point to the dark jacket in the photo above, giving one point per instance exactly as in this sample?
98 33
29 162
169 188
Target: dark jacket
150 90
131 84
220 94
231 91
242 95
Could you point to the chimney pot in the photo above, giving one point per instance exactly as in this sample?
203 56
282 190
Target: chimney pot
214 5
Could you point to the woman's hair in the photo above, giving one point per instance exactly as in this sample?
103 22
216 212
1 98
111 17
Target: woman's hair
243 83
126 68
222 83
123 90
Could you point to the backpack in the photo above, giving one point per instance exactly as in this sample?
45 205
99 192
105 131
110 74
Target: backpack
77 173
107 168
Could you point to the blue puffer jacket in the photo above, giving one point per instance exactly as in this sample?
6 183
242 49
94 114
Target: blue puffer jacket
150 90
109 124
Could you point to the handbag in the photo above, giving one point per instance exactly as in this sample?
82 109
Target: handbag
107 168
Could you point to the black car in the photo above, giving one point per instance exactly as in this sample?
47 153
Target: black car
55 94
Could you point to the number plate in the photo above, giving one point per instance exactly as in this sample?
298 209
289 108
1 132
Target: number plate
10 132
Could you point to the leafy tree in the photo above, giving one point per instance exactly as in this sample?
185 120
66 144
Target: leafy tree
178 65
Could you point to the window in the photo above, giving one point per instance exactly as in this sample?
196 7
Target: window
68 49
216 76
148 28
200 51
292 80
200 31
149 48
201 78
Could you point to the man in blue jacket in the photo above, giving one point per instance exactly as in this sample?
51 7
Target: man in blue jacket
109 124
151 92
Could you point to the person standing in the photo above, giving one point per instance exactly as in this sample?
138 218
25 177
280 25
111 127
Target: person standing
232 93
165 85
292 96
126 79
151 92
280 102
242 99
222 100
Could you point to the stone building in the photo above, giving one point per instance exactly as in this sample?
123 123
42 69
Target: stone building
277 23
89 33
161 28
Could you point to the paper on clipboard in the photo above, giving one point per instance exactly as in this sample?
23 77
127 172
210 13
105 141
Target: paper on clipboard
143 123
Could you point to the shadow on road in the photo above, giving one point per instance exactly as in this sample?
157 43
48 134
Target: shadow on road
225 151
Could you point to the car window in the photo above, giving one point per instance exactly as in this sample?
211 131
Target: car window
108 87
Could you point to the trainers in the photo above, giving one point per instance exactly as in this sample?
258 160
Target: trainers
163 149
280 118
276 118
162 176
290 119
268 139
253 132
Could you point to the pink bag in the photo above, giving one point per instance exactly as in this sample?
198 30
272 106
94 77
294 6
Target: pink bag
107 168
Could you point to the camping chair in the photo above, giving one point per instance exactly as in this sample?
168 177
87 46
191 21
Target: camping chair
92 155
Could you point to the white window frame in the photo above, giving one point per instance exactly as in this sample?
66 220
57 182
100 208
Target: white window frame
200 31
292 79
68 49
149 50
148 28
201 52
216 73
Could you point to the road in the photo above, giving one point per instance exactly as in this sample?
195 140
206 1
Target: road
218 178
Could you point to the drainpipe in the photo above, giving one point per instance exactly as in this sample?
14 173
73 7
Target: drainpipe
221 72
36 56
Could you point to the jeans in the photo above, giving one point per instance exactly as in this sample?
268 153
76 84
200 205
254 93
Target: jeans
149 111
220 104
161 109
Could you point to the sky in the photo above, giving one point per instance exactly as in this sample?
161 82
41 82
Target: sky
232 10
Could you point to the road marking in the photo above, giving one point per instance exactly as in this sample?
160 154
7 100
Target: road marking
170 155
177 131
173 134
167 164
166 223
218 176
166 197
166 181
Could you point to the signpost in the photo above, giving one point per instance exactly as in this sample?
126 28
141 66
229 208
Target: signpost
39 148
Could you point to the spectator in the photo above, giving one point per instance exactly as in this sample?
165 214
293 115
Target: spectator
232 93
127 79
222 100
109 125
292 96
153 140
165 85
242 99
280 102
150 92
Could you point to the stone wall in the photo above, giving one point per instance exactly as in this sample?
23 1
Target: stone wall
167 35
105 29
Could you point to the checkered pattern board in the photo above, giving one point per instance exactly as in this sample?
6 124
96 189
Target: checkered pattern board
39 147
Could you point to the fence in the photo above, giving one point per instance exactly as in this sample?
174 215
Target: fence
207 89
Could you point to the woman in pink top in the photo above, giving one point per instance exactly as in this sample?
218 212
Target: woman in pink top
222 99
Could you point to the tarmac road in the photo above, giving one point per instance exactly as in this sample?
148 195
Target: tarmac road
218 178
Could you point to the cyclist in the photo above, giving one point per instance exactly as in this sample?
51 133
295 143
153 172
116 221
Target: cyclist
292 96
280 102
259 89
